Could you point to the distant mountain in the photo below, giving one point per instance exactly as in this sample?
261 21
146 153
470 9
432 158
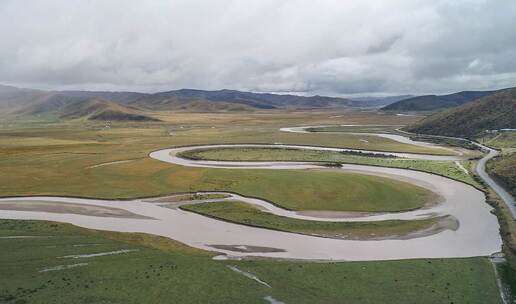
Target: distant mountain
20 101
492 112
436 102
382 101
120 97
69 104
255 100
67 107
13 99
99 109
159 102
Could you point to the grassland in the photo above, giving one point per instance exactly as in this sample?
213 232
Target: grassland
38 158
503 167
444 168
505 141
359 129
77 160
161 270
193 197
242 213
472 119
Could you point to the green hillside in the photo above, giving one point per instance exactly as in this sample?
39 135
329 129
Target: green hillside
493 112
437 102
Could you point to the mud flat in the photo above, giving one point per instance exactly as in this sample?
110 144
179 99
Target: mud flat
61 207
395 137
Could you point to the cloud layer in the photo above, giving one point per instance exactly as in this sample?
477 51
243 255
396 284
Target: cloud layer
312 47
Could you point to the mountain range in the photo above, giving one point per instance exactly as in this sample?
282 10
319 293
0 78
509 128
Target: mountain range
436 102
492 112
134 105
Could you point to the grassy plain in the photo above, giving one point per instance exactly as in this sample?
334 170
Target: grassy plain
358 129
161 270
445 168
76 159
506 141
242 213
63 158
503 167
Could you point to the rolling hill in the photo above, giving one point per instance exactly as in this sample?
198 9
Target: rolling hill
99 109
65 105
29 102
382 101
436 102
165 102
492 112
253 100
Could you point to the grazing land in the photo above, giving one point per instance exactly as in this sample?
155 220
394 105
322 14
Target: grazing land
492 112
110 160
65 159
158 269
446 168
436 102
503 167
242 213
364 129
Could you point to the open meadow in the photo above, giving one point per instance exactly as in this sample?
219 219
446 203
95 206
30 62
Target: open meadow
52 265
110 161
273 152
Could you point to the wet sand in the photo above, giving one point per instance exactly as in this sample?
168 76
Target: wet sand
59 207
395 137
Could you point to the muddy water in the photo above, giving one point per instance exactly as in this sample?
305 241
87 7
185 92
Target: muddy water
394 137
171 156
477 234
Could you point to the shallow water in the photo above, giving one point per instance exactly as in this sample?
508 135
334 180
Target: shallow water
394 137
477 234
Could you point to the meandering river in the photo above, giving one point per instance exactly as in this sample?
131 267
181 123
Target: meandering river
476 235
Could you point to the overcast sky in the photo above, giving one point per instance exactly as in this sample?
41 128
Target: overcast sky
311 47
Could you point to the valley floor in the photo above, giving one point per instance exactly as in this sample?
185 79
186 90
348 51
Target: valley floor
49 262
45 261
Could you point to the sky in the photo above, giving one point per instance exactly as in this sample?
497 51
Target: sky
338 48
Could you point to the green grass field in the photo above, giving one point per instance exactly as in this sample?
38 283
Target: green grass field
503 167
359 129
60 158
161 270
445 168
242 213
65 161
505 140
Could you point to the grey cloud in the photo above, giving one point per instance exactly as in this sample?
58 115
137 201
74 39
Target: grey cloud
384 45
329 46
